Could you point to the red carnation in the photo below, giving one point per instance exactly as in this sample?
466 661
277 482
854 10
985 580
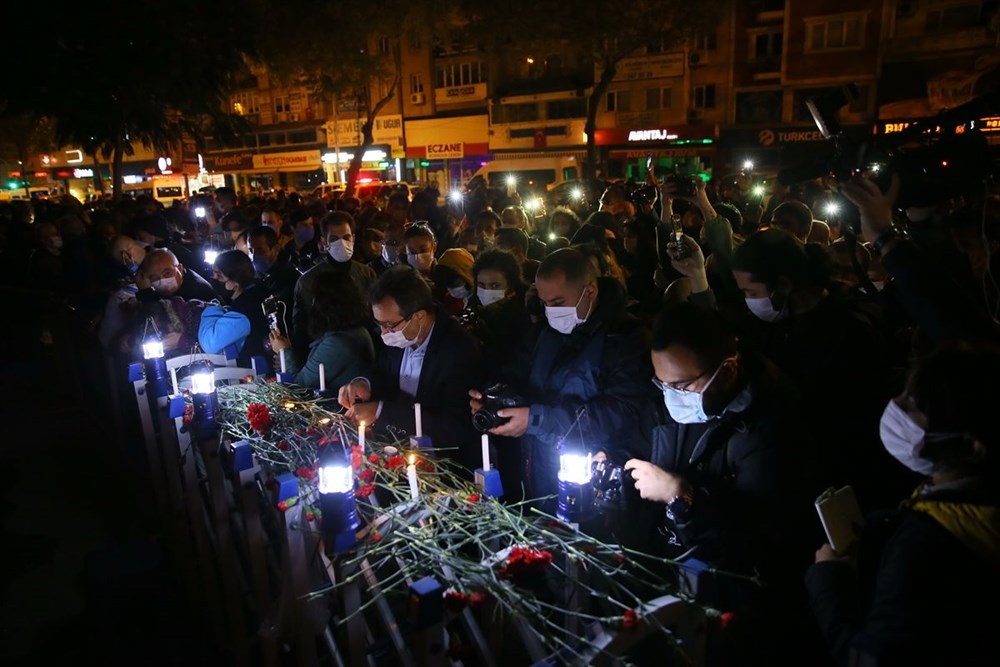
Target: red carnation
619 558
373 458
247 379
311 431
283 445
726 619
630 619
376 536
477 598
310 516
455 601
474 498
366 475
356 460
425 465
305 472
366 490
394 462
259 417
282 506
525 561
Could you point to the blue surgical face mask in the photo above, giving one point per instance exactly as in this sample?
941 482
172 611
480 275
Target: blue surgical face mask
688 407
261 263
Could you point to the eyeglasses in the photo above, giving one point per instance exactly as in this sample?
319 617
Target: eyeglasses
392 327
681 385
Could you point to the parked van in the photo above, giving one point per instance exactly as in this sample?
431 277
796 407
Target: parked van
537 173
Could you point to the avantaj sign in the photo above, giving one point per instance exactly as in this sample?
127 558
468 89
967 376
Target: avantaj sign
651 135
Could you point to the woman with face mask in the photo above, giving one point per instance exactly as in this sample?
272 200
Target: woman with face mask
501 320
726 476
234 271
923 579
835 347
421 248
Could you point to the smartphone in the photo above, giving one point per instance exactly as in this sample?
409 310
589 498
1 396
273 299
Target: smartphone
649 162
680 250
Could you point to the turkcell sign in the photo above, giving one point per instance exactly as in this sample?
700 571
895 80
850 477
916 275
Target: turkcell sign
445 151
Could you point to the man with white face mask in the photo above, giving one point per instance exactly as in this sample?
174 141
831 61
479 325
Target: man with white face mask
336 242
590 356
727 483
427 358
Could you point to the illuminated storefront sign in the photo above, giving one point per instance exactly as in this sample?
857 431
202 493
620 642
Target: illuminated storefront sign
651 135
445 151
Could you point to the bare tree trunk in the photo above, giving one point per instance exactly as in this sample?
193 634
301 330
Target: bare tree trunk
593 104
368 128
98 176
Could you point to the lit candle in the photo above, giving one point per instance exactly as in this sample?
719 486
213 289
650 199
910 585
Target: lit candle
281 356
322 378
418 419
411 476
361 436
486 452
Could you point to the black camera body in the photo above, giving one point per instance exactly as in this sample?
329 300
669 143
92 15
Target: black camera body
495 398
609 483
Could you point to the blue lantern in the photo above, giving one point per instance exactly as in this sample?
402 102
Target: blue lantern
337 503
204 397
576 494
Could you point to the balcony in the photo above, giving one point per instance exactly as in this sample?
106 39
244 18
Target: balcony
932 44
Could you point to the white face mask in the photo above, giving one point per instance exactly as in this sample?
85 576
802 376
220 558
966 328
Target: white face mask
461 292
421 261
764 309
165 285
488 296
904 438
564 318
57 242
341 250
878 285
687 407
399 339
389 255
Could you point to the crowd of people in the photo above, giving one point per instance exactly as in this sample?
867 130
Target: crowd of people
734 372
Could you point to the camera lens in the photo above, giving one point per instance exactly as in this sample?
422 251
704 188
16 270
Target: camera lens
483 421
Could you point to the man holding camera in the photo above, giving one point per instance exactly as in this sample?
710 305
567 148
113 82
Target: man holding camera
727 466
590 358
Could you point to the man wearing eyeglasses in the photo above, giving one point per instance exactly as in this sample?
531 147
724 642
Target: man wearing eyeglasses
427 358
727 464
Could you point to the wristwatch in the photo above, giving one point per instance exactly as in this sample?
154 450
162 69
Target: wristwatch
883 239
680 504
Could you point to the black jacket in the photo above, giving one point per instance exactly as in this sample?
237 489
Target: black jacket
249 304
920 594
602 369
452 366
362 276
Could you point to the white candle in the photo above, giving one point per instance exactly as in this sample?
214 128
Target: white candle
486 452
418 419
173 380
281 356
322 378
411 476
361 436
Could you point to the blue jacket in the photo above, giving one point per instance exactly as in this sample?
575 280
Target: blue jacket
345 355
603 367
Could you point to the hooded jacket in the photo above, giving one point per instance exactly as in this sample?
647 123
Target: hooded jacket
926 585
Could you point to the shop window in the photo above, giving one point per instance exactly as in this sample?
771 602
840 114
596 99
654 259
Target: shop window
833 33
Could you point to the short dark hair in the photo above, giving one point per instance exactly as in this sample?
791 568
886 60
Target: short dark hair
263 232
515 209
226 193
236 266
795 210
505 263
398 198
337 304
703 331
486 214
568 262
419 229
772 253
512 237
336 218
730 213
406 287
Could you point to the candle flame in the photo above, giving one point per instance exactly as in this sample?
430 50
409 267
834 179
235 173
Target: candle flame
289 406
362 425
413 459
324 421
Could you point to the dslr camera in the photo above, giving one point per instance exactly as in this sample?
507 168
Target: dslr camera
495 398
608 481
